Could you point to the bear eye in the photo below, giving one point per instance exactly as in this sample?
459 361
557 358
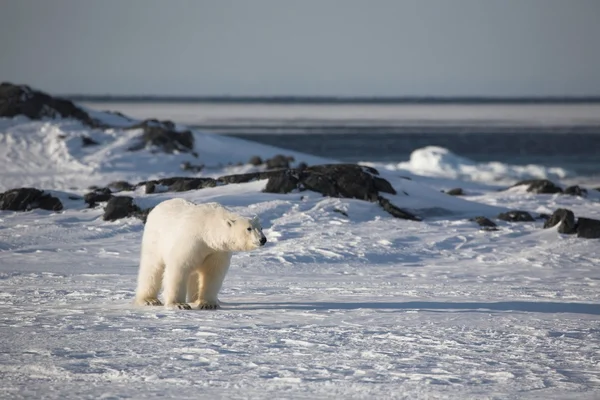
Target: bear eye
249 229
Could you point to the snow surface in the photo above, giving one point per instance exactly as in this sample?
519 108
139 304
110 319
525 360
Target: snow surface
364 306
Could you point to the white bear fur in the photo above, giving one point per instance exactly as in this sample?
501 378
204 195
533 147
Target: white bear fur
187 248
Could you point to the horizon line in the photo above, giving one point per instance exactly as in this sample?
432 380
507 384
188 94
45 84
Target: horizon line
327 99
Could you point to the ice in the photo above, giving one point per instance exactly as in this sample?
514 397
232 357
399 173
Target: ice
334 306
439 162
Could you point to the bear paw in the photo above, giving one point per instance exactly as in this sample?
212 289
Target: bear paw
207 306
182 306
151 302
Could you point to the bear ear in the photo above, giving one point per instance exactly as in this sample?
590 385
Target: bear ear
230 222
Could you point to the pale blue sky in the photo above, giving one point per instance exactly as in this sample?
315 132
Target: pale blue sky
308 47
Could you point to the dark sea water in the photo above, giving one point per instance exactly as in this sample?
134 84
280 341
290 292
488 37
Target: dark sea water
552 132
575 151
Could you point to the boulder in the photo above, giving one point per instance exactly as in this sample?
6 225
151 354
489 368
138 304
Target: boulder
565 218
178 184
539 186
486 223
25 199
279 161
249 177
183 185
164 136
337 180
575 190
588 228
255 160
97 196
120 186
455 192
120 207
515 216
22 100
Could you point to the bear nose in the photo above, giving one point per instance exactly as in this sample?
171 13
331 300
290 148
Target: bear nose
263 240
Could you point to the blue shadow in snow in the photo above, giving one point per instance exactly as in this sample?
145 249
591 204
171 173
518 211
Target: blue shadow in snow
519 306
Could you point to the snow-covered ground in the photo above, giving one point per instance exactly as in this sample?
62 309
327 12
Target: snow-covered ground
363 306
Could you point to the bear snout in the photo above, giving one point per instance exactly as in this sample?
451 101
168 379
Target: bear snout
263 240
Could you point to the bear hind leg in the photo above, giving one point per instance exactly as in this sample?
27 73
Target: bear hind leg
149 282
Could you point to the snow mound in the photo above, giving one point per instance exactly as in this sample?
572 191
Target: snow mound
53 154
442 163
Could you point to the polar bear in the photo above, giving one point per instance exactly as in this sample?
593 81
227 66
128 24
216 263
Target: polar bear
187 248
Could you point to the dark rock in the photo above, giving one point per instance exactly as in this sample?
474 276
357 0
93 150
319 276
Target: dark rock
188 166
184 185
384 186
279 161
119 186
88 141
22 100
25 199
283 182
120 207
455 192
543 216
337 210
97 196
255 160
486 223
588 228
575 190
178 184
396 212
162 134
150 187
249 177
336 180
345 180
539 186
302 166
565 218
515 216
241 178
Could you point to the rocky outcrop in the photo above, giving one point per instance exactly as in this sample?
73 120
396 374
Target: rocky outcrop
97 196
539 186
588 228
122 207
164 136
575 190
486 224
455 192
565 218
22 100
515 216
25 199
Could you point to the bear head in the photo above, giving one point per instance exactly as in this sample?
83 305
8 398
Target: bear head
247 234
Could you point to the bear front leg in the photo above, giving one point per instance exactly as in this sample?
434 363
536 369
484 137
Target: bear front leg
175 283
211 276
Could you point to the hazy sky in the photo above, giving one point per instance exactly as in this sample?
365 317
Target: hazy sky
303 47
